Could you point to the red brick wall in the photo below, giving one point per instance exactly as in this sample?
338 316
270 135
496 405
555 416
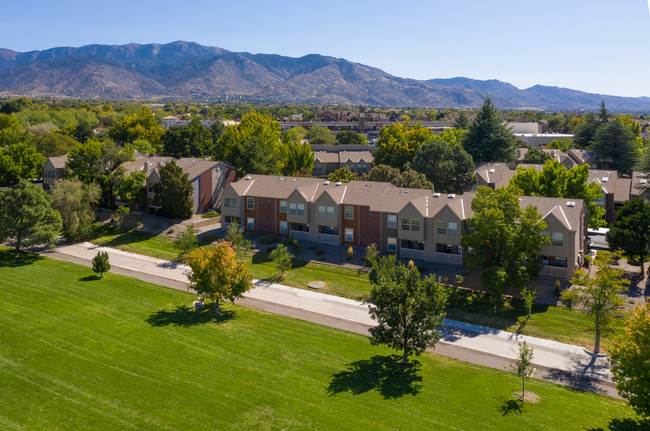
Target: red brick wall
266 216
369 227
205 191
230 176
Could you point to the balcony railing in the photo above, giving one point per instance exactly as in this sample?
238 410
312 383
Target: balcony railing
329 239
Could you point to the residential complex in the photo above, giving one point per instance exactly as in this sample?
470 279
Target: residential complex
413 223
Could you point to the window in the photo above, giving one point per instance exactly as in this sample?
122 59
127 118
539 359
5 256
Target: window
319 168
284 228
557 239
406 224
250 203
292 208
452 228
445 248
415 225
301 209
299 227
328 230
392 221
322 212
349 234
250 223
392 244
349 212
330 212
283 207
226 202
442 227
412 245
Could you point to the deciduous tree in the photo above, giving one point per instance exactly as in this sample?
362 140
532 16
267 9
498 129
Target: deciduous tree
343 175
20 161
192 140
282 259
599 294
503 240
523 365
348 137
408 310
216 273
141 125
186 241
74 200
398 143
297 157
27 217
320 135
630 357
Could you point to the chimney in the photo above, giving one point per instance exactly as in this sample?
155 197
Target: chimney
146 165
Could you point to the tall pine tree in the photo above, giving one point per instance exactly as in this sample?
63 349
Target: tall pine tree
488 139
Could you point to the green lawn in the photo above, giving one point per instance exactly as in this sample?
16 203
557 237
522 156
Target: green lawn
550 322
81 353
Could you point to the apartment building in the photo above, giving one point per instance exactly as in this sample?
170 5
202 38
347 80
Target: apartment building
412 223
326 162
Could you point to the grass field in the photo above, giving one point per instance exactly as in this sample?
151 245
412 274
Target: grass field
78 353
555 323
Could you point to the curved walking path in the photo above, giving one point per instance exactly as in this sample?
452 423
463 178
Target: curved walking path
561 363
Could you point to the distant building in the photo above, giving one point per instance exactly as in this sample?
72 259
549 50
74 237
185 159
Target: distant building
53 170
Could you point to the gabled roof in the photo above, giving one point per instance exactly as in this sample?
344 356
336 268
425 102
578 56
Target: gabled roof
498 174
567 211
58 162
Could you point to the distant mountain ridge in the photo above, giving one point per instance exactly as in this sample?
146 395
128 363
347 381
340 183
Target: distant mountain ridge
187 70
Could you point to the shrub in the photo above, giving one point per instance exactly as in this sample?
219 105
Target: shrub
209 238
320 252
186 241
371 255
159 212
558 288
268 239
411 264
350 254
138 223
422 269
287 241
211 214
270 249
170 231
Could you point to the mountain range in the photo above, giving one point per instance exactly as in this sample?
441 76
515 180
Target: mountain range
189 71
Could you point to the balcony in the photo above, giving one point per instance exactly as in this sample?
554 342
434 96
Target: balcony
328 239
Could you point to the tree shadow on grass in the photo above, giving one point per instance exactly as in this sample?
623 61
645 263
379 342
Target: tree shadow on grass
187 316
89 278
8 259
626 424
386 374
509 406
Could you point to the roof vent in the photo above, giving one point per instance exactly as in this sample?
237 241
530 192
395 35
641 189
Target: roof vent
570 204
295 179
451 196
605 179
436 195
491 171
326 182
247 178
280 179
643 181
339 183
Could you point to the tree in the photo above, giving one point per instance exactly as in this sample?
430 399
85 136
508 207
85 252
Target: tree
562 144
83 131
252 146
320 136
192 140
97 162
348 137
20 161
599 294
293 135
235 235
556 181
630 232
297 157
414 180
282 259
130 188
141 125
536 156
488 139
54 144
174 191
449 168
630 357
101 264
585 131
523 366
119 216
503 240
343 175
186 241
398 143
27 217
383 173
371 255
74 200
215 273
614 147
408 309
462 121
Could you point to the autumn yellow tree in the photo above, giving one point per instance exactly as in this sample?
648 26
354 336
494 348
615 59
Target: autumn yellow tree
215 273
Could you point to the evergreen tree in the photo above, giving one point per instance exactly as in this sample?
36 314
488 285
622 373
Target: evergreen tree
630 231
615 148
488 139
174 191
101 264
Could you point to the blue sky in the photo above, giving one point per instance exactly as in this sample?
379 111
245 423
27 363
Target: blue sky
590 45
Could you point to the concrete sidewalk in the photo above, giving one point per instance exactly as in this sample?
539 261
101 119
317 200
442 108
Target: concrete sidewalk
561 363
